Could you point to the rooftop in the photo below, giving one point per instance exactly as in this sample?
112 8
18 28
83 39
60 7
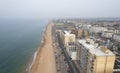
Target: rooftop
68 33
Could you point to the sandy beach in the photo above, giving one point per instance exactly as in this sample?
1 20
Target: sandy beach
45 60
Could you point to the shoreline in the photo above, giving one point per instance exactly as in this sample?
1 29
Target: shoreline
36 52
46 39
29 64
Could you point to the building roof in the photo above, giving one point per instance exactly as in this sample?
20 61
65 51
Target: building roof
67 33
94 48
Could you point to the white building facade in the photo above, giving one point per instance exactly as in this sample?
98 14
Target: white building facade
116 37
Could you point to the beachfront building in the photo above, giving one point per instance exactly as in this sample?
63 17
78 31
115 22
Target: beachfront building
94 58
69 43
66 37
71 50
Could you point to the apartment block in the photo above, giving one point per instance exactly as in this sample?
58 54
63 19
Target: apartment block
116 37
67 37
107 34
94 58
69 43
71 50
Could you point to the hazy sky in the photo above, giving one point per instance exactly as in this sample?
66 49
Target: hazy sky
59 8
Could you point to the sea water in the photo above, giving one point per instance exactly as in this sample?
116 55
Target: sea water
19 42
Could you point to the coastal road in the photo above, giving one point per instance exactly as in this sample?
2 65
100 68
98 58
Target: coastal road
59 57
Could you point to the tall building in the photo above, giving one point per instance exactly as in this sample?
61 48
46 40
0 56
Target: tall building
71 50
69 42
67 37
94 58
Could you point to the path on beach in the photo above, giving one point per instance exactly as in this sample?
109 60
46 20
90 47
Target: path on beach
45 60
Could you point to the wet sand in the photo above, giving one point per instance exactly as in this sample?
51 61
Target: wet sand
45 60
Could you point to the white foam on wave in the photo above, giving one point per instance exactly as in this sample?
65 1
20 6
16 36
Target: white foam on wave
30 66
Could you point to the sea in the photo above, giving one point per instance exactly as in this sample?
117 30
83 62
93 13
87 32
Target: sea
19 42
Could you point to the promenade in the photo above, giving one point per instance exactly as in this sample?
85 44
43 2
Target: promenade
45 60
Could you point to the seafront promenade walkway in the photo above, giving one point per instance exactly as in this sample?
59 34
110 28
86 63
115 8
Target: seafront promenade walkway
45 60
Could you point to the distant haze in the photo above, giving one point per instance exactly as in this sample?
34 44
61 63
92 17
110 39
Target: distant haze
27 9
